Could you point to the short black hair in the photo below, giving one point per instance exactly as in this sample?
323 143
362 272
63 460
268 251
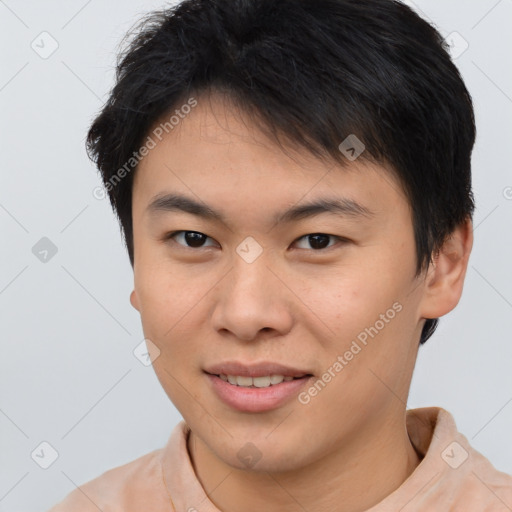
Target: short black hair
315 72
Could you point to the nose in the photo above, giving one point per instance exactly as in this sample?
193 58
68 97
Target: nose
252 302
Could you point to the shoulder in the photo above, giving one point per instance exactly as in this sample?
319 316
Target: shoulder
455 472
135 485
480 485
487 487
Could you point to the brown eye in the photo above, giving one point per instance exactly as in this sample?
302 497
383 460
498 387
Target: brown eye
191 239
317 241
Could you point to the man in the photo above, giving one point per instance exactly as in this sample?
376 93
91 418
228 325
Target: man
293 181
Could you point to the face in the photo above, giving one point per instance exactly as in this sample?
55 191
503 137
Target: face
312 313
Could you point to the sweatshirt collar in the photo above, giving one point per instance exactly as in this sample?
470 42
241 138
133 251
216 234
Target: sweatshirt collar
449 472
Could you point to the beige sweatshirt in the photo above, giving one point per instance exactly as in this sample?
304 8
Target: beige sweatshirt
452 476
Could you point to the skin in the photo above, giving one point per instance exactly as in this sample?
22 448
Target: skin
348 447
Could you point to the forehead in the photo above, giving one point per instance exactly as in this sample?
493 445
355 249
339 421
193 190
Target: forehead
218 152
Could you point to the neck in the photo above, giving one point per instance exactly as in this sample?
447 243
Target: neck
350 479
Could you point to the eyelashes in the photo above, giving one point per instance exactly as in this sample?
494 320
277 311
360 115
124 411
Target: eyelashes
196 240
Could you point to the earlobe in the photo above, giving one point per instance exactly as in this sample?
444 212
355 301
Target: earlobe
134 300
445 279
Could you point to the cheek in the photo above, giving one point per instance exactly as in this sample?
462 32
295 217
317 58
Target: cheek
162 305
169 309
369 311
165 294
351 300
174 308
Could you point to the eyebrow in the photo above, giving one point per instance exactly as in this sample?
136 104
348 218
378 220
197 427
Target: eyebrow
341 206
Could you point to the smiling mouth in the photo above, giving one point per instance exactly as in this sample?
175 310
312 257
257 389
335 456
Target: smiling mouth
258 382
256 388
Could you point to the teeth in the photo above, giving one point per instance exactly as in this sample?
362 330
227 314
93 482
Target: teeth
244 381
257 382
261 382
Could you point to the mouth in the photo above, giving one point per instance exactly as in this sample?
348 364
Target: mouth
265 381
256 388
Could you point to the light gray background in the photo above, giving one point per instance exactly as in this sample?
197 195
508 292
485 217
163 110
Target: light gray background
68 374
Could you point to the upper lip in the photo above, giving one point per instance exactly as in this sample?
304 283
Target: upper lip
255 369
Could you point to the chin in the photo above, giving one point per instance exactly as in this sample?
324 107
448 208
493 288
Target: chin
261 455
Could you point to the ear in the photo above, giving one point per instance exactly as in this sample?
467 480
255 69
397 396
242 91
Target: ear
445 278
134 300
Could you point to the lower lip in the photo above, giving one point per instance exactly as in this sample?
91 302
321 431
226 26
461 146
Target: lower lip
256 399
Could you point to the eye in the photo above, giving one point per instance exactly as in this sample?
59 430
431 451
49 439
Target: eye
190 239
317 241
